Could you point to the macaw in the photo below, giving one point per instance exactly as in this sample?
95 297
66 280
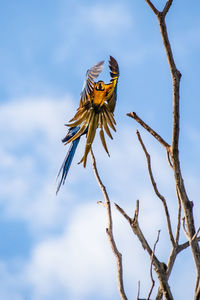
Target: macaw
96 110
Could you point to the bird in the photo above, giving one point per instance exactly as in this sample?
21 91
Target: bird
95 111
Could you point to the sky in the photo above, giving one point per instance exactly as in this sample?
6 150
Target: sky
55 247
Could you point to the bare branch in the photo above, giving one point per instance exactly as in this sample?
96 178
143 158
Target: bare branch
150 130
151 269
167 7
187 205
136 229
197 289
171 260
161 197
169 159
186 233
156 12
191 243
123 213
179 218
184 229
109 231
136 214
176 76
195 235
101 203
138 294
186 245
174 252
160 271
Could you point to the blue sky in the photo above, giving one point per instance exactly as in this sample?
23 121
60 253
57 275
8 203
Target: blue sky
56 247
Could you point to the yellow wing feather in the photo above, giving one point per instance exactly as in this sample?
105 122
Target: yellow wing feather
96 107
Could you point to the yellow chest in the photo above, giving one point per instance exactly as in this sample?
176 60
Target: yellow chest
98 97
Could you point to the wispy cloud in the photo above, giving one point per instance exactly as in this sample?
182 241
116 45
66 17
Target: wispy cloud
34 128
80 260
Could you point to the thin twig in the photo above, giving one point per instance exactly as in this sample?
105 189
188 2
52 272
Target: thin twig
136 213
150 130
186 245
167 7
152 7
195 235
136 229
161 197
151 267
101 203
169 159
179 218
185 230
138 294
186 233
109 231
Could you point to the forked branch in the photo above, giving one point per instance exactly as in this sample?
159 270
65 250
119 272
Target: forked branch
161 197
158 266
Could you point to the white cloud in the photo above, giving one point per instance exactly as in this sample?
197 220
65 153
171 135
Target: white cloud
80 261
34 128
31 114
11 281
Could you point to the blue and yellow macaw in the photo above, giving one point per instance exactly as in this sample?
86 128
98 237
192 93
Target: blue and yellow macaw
96 110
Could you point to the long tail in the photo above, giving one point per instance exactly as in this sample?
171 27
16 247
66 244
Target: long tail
67 163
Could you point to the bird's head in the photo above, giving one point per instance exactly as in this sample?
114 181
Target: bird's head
100 86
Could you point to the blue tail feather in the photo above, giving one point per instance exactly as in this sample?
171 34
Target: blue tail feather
70 154
67 163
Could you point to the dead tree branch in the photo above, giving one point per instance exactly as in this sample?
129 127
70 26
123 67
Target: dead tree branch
176 76
179 219
109 231
174 252
152 6
161 197
153 133
186 245
158 266
151 267
150 130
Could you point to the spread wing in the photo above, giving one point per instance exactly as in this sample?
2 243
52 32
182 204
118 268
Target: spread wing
88 86
112 91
